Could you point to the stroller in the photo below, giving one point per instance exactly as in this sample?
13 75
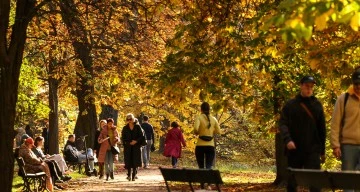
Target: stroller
88 171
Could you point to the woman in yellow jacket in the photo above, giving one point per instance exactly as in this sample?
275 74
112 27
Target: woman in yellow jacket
206 127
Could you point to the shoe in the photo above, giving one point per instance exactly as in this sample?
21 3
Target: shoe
66 178
133 179
128 178
101 177
59 181
107 177
112 175
136 177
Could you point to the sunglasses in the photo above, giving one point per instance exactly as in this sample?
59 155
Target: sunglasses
128 119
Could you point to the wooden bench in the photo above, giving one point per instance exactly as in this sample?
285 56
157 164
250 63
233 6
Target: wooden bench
191 176
326 179
32 182
74 165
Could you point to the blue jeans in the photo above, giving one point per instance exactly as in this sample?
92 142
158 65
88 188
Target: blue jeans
350 155
109 162
90 154
146 153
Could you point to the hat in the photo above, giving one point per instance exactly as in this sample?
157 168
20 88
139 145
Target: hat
25 136
30 141
356 77
308 79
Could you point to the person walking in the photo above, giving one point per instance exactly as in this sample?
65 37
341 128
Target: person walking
102 124
206 126
302 126
174 140
132 137
108 137
149 135
345 126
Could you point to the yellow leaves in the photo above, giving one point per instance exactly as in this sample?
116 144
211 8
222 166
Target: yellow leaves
355 22
272 51
209 19
321 21
314 63
293 23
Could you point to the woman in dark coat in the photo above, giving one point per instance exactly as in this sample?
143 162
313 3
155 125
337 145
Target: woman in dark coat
132 137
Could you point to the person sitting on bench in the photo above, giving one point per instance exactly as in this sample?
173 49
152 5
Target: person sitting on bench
34 164
73 155
55 161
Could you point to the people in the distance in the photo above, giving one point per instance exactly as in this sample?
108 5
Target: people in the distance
107 138
132 137
29 131
345 124
302 126
174 140
56 163
33 164
73 155
149 134
206 126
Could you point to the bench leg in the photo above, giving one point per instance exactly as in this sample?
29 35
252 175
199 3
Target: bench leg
167 186
192 188
218 187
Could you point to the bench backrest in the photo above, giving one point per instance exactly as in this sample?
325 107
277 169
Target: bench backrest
192 175
21 164
326 179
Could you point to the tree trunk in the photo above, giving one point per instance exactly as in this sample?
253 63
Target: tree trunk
281 160
86 122
11 54
107 111
165 124
53 137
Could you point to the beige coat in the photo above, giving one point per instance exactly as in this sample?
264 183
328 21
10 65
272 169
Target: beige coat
105 146
33 164
351 130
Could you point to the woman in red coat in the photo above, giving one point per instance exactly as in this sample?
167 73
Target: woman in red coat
173 141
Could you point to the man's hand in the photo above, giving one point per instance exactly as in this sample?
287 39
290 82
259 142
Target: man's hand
291 145
322 159
337 152
133 142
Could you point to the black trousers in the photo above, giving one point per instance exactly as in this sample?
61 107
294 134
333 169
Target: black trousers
55 171
302 160
205 156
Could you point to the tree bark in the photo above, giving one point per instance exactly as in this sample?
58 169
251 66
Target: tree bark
11 54
107 111
54 114
281 160
86 122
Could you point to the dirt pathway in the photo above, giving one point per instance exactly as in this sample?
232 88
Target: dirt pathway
148 180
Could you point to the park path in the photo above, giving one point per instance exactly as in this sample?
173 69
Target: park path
149 180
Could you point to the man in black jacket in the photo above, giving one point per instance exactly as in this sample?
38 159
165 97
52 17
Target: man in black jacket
150 140
73 155
302 126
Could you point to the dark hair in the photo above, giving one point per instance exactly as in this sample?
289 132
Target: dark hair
174 124
71 136
145 118
205 108
38 139
27 127
110 120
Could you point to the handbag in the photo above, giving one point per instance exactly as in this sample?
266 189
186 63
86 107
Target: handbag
206 138
114 149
